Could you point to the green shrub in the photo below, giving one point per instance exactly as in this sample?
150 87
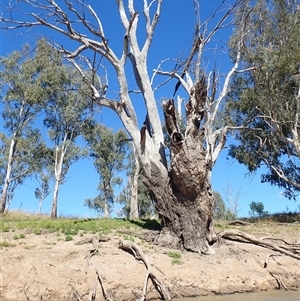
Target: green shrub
5 229
37 232
174 255
69 237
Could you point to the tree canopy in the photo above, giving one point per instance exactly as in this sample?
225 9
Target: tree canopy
266 100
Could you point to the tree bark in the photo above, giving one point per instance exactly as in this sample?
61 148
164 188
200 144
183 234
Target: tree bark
12 150
184 199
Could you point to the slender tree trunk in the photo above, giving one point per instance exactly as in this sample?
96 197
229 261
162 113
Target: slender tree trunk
134 212
12 150
40 205
106 214
55 198
58 177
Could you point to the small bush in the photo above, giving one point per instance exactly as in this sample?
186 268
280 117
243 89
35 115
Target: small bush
22 235
174 255
5 229
37 232
15 237
69 237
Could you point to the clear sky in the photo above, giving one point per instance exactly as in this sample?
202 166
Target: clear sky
172 38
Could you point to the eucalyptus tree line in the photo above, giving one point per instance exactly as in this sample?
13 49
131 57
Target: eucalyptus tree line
25 91
180 188
266 100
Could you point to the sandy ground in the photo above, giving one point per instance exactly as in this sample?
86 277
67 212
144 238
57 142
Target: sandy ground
47 267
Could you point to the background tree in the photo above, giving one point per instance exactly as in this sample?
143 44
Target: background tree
25 85
66 113
219 207
143 205
232 197
109 151
266 100
44 179
257 208
181 188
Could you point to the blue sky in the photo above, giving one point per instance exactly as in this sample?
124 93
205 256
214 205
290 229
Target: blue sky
173 38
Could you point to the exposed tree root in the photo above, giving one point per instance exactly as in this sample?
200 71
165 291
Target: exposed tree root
105 295
131 247
268 257
291 250
279 280
95 242
76 295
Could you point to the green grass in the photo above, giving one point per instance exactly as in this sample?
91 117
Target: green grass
70 226
176 257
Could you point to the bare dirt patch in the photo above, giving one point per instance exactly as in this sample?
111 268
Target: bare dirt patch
47 267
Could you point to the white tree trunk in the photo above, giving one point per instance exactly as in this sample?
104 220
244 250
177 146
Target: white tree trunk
105 211
59 159
7 180
134 212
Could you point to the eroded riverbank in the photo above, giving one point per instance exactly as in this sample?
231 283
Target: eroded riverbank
47 267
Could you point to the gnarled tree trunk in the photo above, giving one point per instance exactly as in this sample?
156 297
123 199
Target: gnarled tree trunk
184 200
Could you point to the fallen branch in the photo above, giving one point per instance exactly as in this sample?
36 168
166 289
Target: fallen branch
248 238
238 223
138 254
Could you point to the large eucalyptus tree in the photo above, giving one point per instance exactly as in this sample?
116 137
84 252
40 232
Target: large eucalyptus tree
266 100
181 187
